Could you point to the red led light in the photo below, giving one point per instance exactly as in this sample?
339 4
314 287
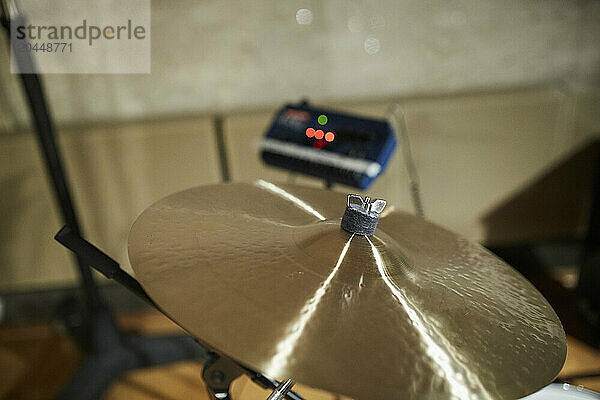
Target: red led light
329 136
319 134
310 132
319 144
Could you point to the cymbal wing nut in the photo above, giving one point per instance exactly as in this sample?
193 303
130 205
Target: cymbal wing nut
358 220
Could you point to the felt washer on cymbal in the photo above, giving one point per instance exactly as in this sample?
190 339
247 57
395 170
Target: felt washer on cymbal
362 218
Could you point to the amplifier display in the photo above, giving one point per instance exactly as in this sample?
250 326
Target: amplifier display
335 146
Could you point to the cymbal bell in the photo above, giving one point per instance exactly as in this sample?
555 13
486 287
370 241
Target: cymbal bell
265 274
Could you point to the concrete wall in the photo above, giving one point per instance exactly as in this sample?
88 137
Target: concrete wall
229 55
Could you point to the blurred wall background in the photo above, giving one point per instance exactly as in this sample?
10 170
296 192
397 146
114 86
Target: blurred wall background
493 93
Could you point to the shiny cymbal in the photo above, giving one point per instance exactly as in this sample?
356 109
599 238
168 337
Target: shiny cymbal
264 274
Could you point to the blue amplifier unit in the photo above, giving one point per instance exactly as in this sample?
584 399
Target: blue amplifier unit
334 146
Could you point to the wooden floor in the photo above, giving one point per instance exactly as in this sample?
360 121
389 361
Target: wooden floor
37 360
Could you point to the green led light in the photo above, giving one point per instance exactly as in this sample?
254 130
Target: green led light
322 119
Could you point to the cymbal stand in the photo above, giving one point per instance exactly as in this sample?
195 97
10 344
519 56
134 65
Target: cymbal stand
219 371
108 352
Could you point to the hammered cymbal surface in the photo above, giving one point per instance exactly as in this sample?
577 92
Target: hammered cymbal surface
264 274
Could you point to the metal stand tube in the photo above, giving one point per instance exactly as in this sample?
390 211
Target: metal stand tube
282 390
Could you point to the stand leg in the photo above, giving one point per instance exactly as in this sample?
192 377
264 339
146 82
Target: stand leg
97 372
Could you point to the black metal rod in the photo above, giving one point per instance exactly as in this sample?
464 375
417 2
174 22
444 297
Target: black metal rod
45 131
222 149
100 261
271 384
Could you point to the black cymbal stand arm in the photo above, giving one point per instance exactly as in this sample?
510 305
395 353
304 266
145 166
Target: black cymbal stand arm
100 261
